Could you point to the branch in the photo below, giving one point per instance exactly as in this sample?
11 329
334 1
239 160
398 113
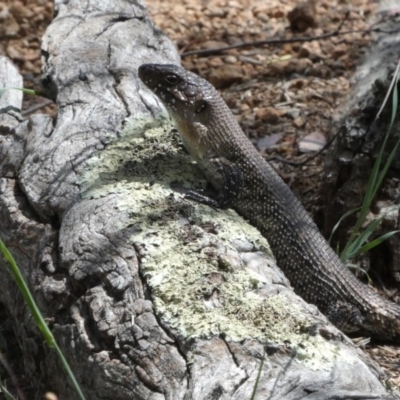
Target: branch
258 43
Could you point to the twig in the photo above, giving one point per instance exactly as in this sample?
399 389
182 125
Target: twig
258 43
35 108
299 164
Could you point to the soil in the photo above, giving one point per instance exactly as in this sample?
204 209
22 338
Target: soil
286 96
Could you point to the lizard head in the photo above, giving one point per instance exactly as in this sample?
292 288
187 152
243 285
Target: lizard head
186 96
196 108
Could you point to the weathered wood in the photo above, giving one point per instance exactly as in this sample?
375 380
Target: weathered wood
349 163
10 104
149 295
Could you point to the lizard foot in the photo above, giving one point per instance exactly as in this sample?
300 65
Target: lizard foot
229 190
345 317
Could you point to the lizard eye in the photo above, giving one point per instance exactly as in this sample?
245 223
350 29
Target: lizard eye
172 79
201 107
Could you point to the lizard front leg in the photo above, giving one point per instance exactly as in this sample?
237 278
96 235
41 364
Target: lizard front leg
229 189
345 316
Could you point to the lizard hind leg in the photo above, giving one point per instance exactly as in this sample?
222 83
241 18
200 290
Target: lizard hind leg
229 189
345 316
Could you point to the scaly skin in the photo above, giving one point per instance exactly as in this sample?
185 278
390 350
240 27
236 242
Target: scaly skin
248 184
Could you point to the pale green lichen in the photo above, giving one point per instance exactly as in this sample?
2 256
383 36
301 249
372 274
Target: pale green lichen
181 260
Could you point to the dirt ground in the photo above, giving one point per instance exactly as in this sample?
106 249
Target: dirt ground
286 96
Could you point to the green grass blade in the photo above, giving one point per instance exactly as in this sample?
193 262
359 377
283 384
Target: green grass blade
27 295
253 395
32 92
44 329
393 152
5 392
395 93
69 371
360 240
24 90
344 216
364 209
376 242
392 83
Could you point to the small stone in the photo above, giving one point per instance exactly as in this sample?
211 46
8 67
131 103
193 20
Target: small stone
314 141
302 16
230 60
213 44
263 17
304 52
339 50
276 13
13 53
248 71
20 11
279 67
311 50
297 83
299 122
215 12
29 66
302 65
215 62
293 113
260 8
268 114
50 396
11 27
225 75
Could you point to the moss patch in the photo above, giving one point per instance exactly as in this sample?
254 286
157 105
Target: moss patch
197 279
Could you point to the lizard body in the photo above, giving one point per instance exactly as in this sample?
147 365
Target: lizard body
247 183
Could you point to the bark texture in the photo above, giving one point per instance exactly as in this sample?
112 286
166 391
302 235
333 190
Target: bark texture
150 296
349 164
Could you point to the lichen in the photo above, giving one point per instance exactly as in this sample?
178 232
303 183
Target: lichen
195 291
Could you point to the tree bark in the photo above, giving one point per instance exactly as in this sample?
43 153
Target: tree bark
150 296
349 163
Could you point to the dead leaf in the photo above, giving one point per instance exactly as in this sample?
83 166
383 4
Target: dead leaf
268 141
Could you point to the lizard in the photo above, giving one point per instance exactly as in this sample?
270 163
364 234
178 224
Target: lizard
247 183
